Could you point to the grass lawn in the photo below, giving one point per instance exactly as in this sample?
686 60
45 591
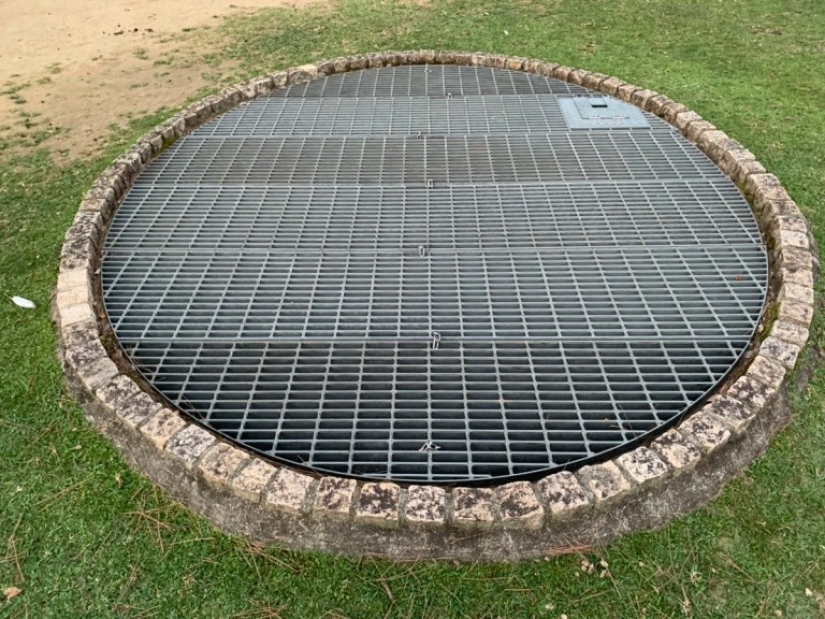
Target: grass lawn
83 536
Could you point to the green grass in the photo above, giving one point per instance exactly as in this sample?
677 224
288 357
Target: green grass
83 536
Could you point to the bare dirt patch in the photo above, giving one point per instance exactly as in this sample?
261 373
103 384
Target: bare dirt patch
71 70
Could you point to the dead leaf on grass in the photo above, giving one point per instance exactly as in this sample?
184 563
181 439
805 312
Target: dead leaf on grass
12 592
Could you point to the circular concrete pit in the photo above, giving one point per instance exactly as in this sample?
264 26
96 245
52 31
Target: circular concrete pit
371 304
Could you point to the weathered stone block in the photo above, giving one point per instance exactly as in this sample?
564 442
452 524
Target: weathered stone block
671 110
251 480
734 414
780 351
547 69
641 97
767 371
683 119
562 493
219 463
473 507
340 64
532 65
118 393
379 503
787 238
85 352
657 104
334 496
610 85
790 330
426 506
326 67
97 373
750 392
676 451
576 76
625 92
705 431
79 295
765 188
604 481
794 259
288 491
696 128
593 80
518 506
796 294
498 61
744 170
189 444
356 63
642 465
142 408
162 425
560 72
72 278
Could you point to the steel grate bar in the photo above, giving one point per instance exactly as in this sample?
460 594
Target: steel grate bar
399 116
391 160
530 216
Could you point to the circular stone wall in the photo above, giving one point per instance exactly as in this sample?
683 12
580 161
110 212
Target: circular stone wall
674 202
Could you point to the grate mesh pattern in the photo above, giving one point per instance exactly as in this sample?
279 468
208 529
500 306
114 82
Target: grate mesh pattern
392 116
487 300
432 81
581 156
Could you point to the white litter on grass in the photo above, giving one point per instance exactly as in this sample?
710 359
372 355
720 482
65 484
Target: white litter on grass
21 302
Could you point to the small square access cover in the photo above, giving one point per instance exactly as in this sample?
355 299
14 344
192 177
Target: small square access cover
601 113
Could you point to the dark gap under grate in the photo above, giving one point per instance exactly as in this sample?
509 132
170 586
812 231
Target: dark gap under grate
499 296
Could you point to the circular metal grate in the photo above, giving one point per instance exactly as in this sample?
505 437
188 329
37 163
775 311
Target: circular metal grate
434 273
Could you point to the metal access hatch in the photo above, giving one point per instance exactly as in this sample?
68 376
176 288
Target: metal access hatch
434 274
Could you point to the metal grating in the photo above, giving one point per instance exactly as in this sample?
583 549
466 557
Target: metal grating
498 296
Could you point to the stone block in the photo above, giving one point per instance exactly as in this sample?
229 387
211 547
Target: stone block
518 506
641 97
674 449
780 351
704 431
562 493
426 506
220 462
142 408
735 414
251 480
334 496
604 481
610 85
473 507
380 504
767 371
593 80
642 465
97 374
750 392
696 128
625 92
288 491
162 425
796 294
800 277
790 330
683 119
189 444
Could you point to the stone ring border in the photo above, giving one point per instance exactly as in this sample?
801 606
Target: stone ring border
243 494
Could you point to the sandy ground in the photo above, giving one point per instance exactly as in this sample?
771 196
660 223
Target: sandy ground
72 68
